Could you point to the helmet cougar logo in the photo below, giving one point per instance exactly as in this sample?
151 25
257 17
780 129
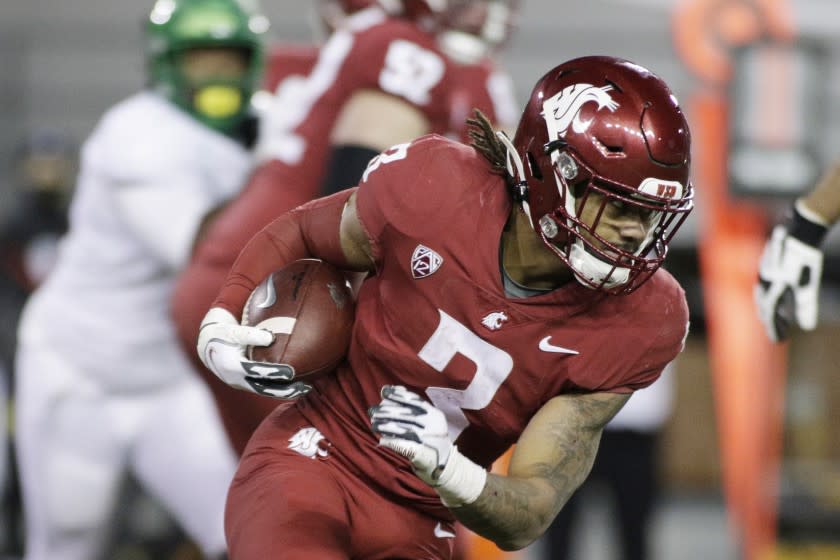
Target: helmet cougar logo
563 109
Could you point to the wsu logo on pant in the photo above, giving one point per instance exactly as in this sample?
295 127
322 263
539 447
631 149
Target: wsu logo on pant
307 442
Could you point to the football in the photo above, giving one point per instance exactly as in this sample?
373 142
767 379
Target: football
309 307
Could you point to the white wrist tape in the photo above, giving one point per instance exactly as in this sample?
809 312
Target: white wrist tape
461 481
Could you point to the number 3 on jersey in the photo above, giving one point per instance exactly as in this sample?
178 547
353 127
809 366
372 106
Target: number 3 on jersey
411 71
492 367
394 153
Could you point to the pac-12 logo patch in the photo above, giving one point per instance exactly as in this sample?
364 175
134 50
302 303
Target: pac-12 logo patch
424 262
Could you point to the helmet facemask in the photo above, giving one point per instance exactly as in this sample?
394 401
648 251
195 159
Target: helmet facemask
589 205
216 100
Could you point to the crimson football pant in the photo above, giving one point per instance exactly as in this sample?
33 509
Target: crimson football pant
295 498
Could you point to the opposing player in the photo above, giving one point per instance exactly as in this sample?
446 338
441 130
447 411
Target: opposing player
515 296
787 291
103 387
380 79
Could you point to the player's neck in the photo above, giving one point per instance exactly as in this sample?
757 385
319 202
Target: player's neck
525 258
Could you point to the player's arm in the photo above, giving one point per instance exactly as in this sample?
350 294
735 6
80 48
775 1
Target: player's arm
326 228
787 292
824 200
369 122
552 458
164 219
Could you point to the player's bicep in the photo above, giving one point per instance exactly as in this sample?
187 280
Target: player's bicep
559 444
376 120
354 239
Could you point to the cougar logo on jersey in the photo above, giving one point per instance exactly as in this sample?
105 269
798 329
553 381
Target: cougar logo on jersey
424 262
307 442
563 109
493 321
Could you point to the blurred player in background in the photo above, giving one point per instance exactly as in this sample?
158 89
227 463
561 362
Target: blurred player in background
384 76
787 291
515 284
103 387
32 220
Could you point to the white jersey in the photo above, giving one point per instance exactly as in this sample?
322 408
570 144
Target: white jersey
149 173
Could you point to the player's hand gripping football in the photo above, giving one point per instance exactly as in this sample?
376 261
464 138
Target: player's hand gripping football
222 342
789 281
417 430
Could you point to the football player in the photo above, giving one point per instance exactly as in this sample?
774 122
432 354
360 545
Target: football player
381 78
45 166
103 387
787 291
514 295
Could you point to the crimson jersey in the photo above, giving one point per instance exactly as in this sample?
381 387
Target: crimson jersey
371 52
288 60
435 318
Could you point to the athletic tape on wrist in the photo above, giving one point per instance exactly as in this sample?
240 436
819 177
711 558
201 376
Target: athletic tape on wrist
461 481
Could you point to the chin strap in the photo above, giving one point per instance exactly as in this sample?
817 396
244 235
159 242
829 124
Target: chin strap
516 170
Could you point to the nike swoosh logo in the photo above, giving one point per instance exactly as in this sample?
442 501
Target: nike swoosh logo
546 346
442 533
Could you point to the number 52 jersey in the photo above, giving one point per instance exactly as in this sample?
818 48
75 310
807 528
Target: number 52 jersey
435 318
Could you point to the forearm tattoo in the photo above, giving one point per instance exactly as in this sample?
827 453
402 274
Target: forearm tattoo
510 509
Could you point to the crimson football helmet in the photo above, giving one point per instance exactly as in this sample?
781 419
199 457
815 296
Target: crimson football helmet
467 30
610 131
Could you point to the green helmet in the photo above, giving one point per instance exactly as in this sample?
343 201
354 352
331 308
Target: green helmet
176 26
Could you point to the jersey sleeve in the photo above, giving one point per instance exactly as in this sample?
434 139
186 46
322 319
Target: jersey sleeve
414 188
288 60
668 330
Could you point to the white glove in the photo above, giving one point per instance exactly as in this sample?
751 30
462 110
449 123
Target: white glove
418 431
222 342
789 281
